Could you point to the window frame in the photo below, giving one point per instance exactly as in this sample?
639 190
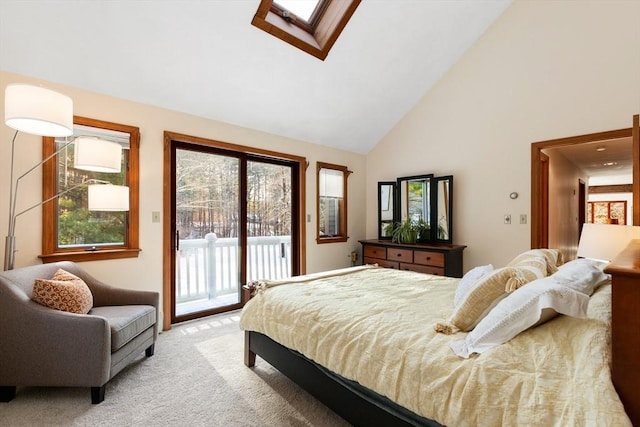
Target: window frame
342 206
591 211
307 25
130 249
316 38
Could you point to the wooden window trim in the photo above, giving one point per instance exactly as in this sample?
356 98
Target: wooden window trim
592 215
308 26
50 252
342 207
316 40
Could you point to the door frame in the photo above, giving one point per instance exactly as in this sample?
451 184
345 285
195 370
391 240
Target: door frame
168 246
537 216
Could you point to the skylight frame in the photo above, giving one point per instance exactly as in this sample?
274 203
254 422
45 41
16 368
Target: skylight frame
317 40
308 25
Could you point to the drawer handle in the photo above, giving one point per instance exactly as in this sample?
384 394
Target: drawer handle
398 254
428 258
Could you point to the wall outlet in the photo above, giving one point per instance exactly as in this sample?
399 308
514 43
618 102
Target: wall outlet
523 218
155 216
507 219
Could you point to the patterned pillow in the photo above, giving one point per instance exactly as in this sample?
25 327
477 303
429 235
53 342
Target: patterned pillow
64 292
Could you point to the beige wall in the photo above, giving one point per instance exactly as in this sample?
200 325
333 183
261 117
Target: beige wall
563 203
544 70
145 272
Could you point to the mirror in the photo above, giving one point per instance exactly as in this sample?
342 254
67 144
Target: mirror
413 200
443 209
425 200
386 194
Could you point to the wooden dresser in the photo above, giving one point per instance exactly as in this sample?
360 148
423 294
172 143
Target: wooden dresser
440 259
625 328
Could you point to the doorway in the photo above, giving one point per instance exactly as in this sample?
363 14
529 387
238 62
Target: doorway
232 215
539 220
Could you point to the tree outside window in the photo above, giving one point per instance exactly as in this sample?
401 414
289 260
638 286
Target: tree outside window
70 230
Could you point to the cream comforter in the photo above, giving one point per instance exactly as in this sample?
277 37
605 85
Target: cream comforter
375 326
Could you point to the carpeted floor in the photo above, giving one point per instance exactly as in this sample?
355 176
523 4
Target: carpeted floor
195 378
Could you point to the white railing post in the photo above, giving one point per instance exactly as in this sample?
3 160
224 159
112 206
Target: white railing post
211 264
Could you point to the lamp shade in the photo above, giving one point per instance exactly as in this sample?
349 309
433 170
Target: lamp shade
97 155
605 241
108 197
38 111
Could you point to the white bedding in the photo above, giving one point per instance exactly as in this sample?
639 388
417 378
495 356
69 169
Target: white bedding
375 326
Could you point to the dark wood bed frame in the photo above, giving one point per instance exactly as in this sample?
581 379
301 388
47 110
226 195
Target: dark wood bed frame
359 409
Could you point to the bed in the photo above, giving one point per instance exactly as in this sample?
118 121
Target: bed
364 341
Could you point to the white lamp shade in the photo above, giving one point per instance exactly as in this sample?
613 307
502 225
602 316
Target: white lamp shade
108 197
38 111
97 155
605 241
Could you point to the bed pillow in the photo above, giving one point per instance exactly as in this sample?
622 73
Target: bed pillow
469 281
583 275
551 258
526 307
488 291
65 292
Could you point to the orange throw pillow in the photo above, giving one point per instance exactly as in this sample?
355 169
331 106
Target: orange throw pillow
64 291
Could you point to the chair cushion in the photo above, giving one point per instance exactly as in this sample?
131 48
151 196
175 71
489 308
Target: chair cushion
126 321
64 291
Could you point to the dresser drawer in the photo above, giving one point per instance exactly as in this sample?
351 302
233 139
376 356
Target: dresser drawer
375 252
434 258
382 262
428 258
426 269
402 255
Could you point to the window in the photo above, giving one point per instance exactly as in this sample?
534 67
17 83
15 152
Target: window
72 232
303 13
310 25
332 203
606 212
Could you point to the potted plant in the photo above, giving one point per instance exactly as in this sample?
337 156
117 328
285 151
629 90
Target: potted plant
424 230
410 231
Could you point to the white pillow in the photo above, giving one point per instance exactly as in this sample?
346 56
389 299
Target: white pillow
582 274
522 309
469 280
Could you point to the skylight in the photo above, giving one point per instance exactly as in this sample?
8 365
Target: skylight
310 25
301 8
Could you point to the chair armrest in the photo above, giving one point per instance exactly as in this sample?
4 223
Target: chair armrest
111 295
104 294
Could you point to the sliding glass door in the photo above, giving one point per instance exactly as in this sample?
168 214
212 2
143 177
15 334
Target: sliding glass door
233 221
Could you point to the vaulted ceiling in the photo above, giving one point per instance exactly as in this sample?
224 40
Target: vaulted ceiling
205 58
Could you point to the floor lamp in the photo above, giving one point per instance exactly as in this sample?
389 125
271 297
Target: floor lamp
43 112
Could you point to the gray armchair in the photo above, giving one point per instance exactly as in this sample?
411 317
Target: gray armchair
40 346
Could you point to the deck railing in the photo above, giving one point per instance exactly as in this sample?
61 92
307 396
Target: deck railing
207 268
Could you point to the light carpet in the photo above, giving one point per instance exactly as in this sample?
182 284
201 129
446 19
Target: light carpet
195 378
